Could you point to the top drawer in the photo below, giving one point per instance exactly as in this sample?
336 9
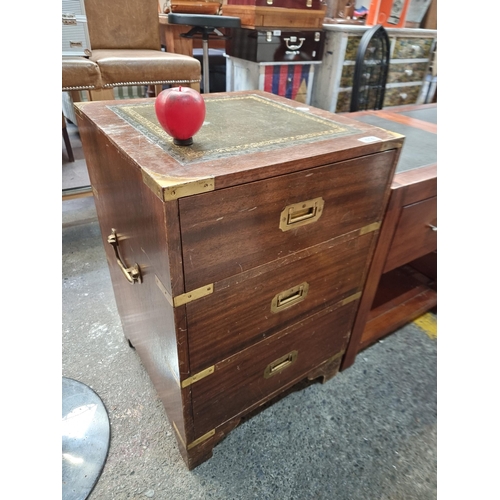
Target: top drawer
232 230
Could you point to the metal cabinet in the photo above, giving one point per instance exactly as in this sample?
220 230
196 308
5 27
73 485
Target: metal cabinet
411 55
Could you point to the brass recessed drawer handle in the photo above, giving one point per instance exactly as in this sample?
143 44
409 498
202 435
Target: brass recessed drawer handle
434 228
132 273
302 213
280 364
290 297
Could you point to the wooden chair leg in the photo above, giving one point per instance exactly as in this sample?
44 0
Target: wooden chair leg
195 86
67 142
102 95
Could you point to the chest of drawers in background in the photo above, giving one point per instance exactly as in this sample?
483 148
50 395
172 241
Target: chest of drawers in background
248 251
410 59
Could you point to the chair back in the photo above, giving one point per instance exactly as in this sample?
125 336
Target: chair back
370 70
123 24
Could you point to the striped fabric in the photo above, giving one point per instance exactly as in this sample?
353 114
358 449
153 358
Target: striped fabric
287 80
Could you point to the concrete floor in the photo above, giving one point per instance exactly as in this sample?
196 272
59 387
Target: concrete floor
367 434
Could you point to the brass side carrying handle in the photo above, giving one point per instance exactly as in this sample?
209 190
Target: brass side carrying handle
290 297
299 214
132 273
280 364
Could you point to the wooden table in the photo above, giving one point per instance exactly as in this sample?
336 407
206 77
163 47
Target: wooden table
401 283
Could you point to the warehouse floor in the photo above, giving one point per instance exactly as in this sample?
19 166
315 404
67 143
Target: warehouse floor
369 433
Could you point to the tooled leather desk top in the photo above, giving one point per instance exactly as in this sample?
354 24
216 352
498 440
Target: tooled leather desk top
266 125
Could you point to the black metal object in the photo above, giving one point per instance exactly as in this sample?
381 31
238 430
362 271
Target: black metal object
203 26
370 70
267 45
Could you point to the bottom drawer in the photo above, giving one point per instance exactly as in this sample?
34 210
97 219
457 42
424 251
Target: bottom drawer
252 376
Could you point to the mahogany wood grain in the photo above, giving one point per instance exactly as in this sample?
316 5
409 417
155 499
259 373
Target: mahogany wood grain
278 17
249 167
246 218
172 39
124 202
290 4
385 238
426 265
238 383
397 286
418 184
414 235
422 300
404 238
231 237
238 315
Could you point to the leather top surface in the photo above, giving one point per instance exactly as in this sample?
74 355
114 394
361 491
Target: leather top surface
237 125
205 20
420 147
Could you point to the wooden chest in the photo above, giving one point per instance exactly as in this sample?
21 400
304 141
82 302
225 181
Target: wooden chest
238 262
253 16
290 4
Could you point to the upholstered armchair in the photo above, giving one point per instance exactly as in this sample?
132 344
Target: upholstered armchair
125 44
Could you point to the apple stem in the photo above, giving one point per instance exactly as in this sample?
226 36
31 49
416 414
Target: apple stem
180 88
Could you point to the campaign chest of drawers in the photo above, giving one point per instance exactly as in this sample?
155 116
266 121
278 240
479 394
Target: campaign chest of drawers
237 263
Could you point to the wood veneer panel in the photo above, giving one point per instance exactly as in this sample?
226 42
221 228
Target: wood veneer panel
410 309
239 314
124 202
239 382
245 219
414 235
373 277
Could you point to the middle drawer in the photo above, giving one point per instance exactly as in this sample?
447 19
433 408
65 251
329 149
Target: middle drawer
254 305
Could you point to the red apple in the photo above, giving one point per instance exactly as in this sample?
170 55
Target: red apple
181 112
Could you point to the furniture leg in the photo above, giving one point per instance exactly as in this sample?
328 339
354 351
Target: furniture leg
101 95
67 142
